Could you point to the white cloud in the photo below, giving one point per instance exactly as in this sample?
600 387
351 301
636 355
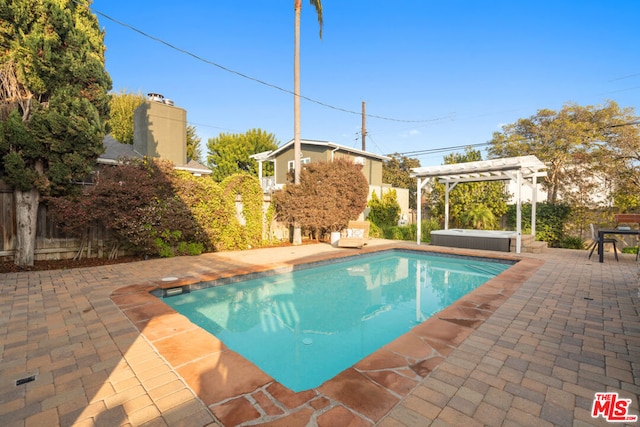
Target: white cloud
412 132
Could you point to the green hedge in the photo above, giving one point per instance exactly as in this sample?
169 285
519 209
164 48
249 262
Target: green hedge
551 220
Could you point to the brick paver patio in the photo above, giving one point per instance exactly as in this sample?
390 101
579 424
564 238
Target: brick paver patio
570 330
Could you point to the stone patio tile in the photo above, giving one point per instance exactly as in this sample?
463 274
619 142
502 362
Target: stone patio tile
338 416
166 389
489 415
432 396
178 348
498 398
47 417
235 411
540 348
391 380
144 414
402 416
170 401
360 394
516 417
561 398
556 415
222 376
527 406
191 413
424 408
453 417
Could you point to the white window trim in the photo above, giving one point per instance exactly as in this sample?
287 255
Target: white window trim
303 161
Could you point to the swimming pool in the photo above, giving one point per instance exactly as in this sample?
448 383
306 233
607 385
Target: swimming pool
306 326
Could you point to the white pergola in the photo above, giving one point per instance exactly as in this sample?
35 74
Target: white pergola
524 170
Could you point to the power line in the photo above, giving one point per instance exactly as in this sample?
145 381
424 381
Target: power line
440 150
254 79
459 147
624 77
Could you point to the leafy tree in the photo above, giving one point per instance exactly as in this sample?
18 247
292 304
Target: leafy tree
121 123
571 143
328 196
228 154
53 103
193 144
622 147
297 150
396 171
470 202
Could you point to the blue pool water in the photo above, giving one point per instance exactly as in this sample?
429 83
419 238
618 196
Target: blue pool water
304 327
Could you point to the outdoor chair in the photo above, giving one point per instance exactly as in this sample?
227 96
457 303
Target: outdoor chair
355 236
605 240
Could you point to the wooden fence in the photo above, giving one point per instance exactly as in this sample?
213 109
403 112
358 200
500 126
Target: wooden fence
51 243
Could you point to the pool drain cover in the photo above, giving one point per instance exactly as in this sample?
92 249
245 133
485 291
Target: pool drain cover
25 380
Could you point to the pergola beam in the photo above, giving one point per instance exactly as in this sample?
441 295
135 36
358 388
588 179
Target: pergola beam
523 169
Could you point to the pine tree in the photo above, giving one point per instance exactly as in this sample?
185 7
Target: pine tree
194 151
53 103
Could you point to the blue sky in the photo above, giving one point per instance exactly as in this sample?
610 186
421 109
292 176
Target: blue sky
447 73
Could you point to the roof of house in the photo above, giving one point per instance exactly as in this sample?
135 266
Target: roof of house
115 151
194 167
327 144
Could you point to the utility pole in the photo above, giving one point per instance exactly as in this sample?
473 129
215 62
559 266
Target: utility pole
364 127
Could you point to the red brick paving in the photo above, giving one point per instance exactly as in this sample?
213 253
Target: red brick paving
525 349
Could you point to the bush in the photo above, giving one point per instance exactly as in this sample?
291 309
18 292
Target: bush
630 250
155 210
328 196
384 212
250 191
571 242
399 232
375 231
428 225
551 220
405 232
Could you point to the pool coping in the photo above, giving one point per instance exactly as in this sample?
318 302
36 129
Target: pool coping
237 392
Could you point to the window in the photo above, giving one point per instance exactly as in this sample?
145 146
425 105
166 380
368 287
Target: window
303 161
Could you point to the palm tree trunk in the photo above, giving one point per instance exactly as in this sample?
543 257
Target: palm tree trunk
297 234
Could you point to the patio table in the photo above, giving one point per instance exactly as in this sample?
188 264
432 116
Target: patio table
603 231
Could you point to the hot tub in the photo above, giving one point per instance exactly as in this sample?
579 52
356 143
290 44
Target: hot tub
491 240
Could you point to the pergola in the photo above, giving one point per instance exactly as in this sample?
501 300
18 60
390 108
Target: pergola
524 170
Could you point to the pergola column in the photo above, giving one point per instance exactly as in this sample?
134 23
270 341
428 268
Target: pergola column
519 169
